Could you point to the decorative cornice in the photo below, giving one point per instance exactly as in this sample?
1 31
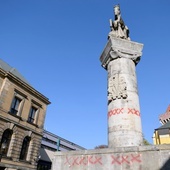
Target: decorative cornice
27 87
118 53
119 48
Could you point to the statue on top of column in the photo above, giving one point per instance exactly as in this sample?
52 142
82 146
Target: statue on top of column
118 27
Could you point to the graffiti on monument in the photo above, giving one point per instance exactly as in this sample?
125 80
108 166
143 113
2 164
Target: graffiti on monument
115 159
126 159
83 160
122 111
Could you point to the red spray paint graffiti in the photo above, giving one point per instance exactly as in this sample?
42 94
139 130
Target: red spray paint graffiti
73 161
128 159
133 111
123 111
115 111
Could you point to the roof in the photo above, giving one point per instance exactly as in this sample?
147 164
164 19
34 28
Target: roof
165 115
165 126
168 109
46 155
14 72
164 129
7 68
53 137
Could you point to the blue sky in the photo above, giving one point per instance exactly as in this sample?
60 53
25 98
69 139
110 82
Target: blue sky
56 45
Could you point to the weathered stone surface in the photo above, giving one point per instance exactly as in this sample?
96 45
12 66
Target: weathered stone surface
122 48
119 58
124 158
118 28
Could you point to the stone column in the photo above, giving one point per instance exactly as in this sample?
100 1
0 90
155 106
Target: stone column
119 58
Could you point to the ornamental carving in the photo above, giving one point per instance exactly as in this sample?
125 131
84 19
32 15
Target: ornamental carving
117 53
117 88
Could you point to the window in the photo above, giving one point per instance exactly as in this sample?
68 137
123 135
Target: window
32 114
15 105
5 141
24 149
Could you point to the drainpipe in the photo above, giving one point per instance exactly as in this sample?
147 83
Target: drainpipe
58 144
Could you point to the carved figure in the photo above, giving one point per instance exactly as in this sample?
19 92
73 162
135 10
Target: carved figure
116 88
122 88
112 88
118 27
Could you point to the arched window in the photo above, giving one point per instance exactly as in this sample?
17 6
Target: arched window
5 141
24 149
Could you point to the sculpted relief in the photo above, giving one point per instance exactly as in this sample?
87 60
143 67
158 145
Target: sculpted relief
118 27
116 88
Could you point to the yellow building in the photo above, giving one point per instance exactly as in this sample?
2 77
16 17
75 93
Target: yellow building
22 115
162 134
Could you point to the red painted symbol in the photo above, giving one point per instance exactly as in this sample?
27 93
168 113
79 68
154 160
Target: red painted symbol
133 111
115 160
67 161
135 158
75 161
128 159
72 161
83 161
115 111
119 160
96 160
125 159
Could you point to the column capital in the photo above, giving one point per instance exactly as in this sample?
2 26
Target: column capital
120 48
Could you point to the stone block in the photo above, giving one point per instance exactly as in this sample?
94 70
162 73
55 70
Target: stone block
121 158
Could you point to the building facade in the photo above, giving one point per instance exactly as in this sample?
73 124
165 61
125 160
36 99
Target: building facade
50 144
162 134
22 115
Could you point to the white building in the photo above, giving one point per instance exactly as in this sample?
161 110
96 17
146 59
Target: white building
50 144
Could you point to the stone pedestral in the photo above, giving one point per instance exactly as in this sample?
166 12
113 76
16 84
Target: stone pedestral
119 58
125 158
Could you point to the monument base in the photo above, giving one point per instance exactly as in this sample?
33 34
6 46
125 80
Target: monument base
150 157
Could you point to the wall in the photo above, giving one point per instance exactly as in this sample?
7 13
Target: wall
11 86
161 139
155 157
